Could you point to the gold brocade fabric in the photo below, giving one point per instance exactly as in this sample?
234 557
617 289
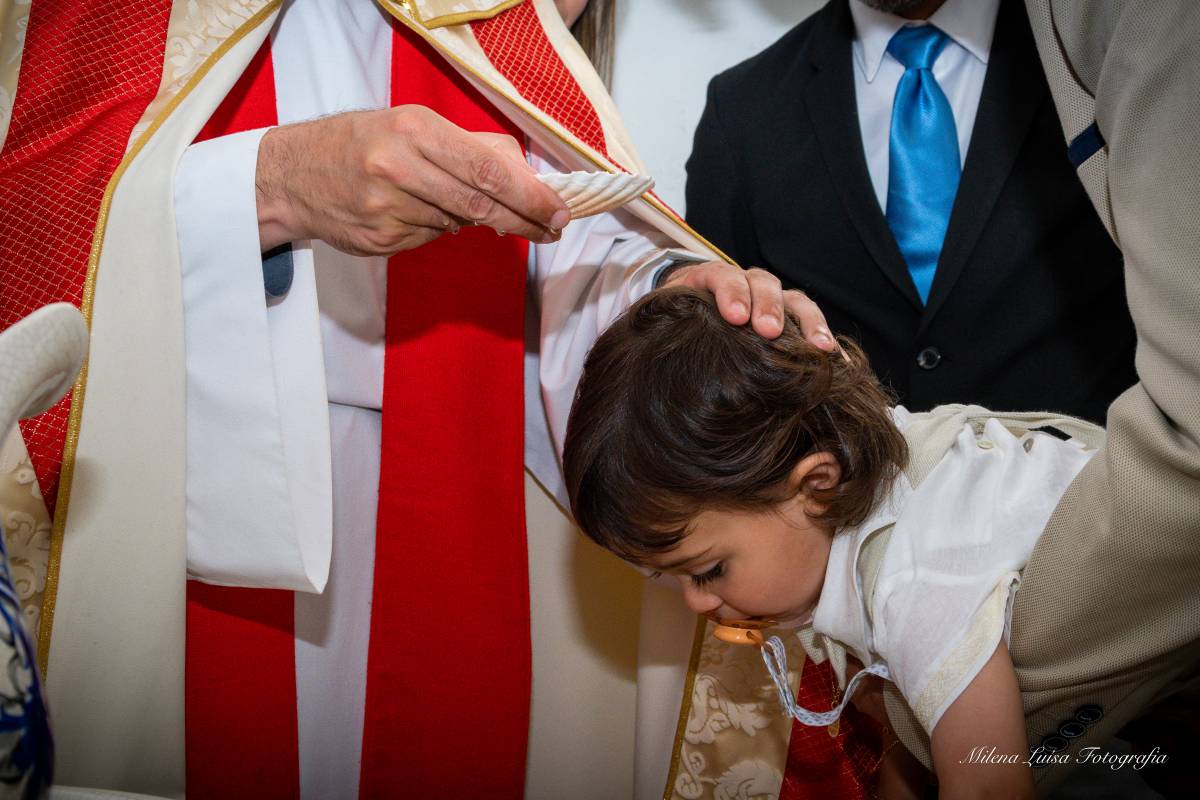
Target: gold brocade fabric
194 33
26 527
454 12
734 745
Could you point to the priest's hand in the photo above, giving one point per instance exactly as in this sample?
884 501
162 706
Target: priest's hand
755 295
377 182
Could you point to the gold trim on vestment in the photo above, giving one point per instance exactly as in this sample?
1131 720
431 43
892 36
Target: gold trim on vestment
423 32
685 707
89 290
461 17
654 202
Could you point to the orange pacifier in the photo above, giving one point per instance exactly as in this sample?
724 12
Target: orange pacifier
740 631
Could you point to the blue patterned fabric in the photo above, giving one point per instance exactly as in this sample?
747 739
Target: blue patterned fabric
26 748
923 158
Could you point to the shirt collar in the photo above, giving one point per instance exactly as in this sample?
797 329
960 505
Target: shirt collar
841 611
970 23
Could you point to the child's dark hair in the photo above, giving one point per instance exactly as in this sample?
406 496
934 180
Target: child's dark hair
678 412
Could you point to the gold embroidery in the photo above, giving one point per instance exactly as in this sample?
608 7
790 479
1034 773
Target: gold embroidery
194 31
26 525
441 13
466 16
686 706
734 741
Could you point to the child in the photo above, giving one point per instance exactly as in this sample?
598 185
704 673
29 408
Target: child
777 483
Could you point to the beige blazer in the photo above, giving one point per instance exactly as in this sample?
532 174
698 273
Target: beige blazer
1107 619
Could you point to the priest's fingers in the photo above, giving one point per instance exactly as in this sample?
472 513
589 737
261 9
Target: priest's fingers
727 283
393 221
505 145
466 203
488 186
811 320
766 302
511 148
372 182
385 240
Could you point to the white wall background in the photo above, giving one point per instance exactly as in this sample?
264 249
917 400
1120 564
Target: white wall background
667 50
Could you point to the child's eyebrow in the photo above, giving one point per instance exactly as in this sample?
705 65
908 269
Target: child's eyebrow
677 564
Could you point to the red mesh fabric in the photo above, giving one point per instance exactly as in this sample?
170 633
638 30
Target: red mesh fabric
518 48
88 71
820 765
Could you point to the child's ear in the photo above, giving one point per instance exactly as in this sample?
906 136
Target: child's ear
812 478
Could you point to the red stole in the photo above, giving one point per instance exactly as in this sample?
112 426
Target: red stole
448 675
450 613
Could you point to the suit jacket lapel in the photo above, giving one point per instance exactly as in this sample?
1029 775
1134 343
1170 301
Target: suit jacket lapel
1013 90
831 105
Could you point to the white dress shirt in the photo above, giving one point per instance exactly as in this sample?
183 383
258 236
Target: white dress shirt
959 69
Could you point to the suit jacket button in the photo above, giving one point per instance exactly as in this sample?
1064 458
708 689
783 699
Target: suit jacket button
1089 714
1071 729
1054 743
929 358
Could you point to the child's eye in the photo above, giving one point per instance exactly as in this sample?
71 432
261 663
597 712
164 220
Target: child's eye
655 575
708 577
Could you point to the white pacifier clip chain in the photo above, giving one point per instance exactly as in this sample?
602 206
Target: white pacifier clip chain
775 657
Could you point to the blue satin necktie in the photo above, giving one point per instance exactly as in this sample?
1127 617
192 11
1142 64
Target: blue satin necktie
923 163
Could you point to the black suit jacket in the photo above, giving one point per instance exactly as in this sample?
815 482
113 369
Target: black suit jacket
1027 309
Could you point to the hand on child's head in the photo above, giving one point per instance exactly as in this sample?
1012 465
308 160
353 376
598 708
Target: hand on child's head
756 296
679 410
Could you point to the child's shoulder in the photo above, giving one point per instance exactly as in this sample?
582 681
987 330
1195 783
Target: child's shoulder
931 435
941 584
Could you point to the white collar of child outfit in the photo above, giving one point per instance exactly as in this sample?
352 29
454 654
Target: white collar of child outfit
943 587
839 620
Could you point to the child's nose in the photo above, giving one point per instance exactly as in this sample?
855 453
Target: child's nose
698 598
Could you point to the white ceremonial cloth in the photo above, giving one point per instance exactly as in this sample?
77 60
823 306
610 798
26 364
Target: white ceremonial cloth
953 562
959 69
265 381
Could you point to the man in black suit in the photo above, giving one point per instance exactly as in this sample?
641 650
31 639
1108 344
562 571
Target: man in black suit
1021 303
